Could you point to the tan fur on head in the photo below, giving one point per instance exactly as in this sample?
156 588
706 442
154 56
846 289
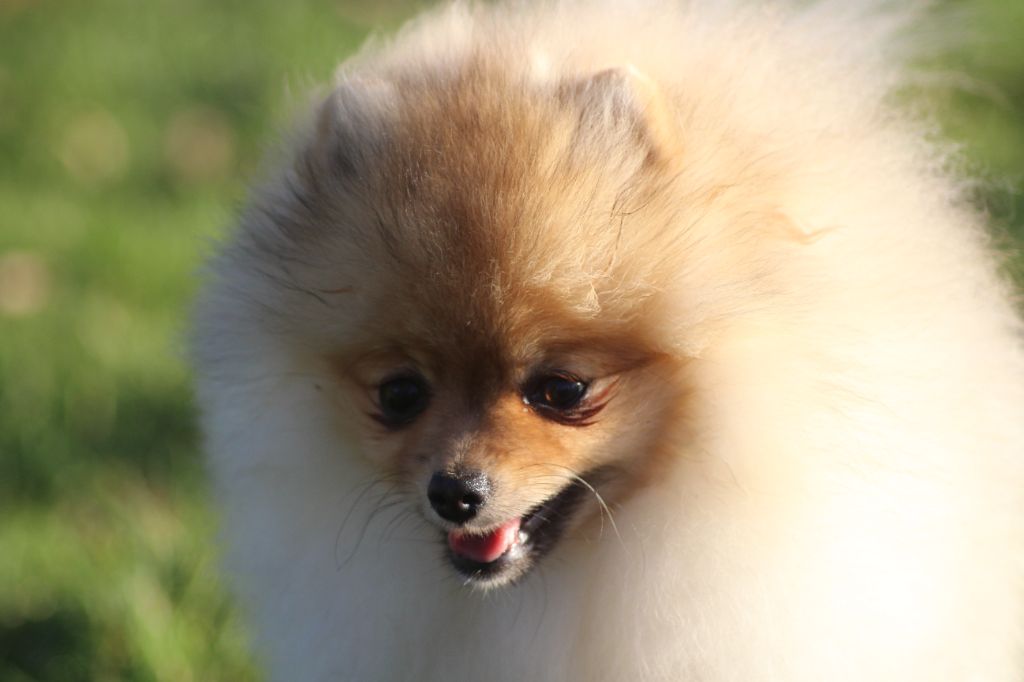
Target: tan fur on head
805 377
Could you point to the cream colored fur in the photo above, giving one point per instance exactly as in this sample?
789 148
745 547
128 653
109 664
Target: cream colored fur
843 498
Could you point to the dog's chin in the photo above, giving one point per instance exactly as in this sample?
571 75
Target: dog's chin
519 544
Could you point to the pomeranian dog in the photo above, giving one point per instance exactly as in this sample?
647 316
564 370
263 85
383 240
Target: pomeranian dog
619 341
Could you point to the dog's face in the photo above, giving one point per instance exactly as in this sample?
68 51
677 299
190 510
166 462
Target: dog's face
507 440
492 255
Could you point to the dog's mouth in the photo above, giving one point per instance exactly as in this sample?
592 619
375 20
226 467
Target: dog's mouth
507 552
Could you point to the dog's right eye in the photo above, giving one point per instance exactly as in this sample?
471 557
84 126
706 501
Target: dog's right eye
401 400
558 396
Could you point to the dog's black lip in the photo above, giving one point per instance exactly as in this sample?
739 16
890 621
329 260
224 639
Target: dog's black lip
544 525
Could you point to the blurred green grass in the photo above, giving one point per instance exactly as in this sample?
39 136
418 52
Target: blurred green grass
126 131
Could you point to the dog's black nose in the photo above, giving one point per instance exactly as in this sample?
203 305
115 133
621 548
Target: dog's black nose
457 497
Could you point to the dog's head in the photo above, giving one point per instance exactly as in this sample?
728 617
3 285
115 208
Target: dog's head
483 265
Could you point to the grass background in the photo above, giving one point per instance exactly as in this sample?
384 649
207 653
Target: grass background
127 128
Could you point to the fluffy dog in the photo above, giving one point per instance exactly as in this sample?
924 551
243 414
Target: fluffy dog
619 342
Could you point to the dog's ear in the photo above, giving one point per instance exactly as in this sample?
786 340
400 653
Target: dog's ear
350 125
623 101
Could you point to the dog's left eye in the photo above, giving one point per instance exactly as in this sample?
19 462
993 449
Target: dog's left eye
560 392
402 399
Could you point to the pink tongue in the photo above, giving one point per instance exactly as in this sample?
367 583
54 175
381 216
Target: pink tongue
484 548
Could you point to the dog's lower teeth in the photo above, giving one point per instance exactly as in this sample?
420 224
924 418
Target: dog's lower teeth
523 537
